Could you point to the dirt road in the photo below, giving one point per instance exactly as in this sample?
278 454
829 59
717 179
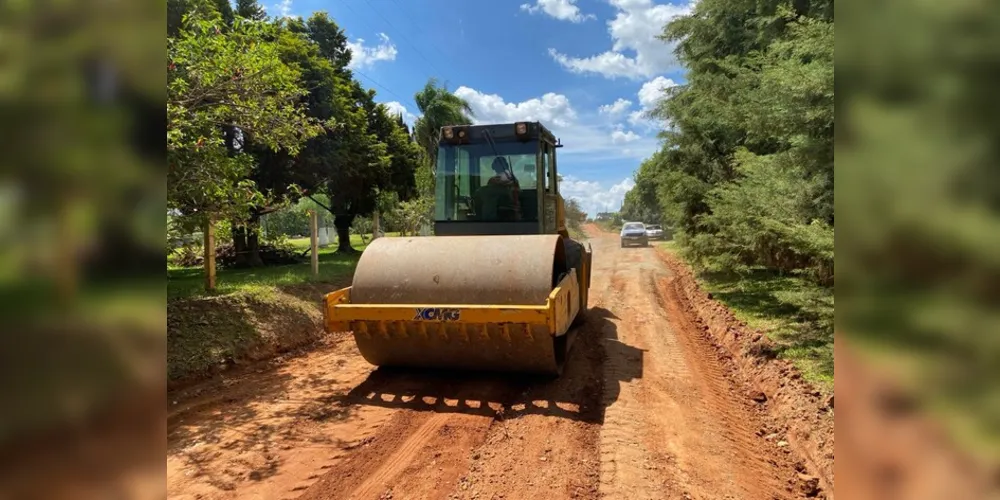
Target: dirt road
647 408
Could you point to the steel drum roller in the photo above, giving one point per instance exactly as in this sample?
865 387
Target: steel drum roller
497 270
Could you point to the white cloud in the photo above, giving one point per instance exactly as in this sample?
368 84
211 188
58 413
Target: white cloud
396 108
552 109
564 10
616 108
588 138
634 28
623 136
652 91
650 95
593 196
364 56
280 9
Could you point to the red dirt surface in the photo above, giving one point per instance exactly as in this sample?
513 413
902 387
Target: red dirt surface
795 411
652 404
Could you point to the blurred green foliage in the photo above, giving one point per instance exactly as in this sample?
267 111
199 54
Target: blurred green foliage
81 130
82 203
917 165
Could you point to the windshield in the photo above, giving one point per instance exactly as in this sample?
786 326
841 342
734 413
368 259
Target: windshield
653 227
633 226
468 185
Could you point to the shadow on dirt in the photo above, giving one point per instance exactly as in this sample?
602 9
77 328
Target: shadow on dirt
596 366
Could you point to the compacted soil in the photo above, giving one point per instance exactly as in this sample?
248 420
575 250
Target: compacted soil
662 397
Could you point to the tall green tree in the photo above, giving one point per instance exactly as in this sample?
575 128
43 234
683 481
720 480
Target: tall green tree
745 175
218 81
276 171
250 9
438 107
367 154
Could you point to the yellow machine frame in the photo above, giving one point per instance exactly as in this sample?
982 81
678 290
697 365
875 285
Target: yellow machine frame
366 319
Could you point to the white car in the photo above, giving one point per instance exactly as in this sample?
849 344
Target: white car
633 233
654 232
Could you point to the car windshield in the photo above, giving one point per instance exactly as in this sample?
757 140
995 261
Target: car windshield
633 226
652 227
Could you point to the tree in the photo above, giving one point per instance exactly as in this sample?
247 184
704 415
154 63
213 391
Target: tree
641 202
250 9
219 82
275 172
367 154
575 216
438 107
745 175
177 9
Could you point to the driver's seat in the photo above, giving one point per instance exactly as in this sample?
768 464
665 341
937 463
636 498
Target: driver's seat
494 203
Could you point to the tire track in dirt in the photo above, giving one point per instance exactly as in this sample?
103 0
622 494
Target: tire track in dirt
416 455
628 465
678 430
764 470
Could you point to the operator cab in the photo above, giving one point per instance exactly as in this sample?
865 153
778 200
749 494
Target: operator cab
493 179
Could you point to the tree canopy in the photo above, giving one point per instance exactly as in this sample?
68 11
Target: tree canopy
745 173
220 82
264 111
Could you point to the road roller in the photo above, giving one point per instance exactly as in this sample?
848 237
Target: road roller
500 286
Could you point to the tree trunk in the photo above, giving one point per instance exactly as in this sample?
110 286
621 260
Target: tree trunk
343 225
375 228
253 258
239 244
253 248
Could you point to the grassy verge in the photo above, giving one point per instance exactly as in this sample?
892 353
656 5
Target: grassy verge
254 314
188 282
206 334
794 313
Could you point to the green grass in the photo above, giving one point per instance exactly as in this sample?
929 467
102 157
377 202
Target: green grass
185 282
794 313
209 332
303 243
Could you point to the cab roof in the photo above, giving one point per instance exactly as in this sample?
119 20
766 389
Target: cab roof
500 132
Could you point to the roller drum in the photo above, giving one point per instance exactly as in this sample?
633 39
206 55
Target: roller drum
498 270
460 270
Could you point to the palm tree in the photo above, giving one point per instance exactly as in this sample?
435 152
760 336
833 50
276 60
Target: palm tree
438 108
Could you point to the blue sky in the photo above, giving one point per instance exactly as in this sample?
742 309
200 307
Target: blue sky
587 69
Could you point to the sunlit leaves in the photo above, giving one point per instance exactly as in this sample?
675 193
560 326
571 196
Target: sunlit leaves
233 80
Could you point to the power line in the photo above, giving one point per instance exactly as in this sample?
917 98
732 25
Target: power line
409 12
383 87
405 39
348 5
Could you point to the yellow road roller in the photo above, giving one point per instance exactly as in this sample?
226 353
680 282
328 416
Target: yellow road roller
499 285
